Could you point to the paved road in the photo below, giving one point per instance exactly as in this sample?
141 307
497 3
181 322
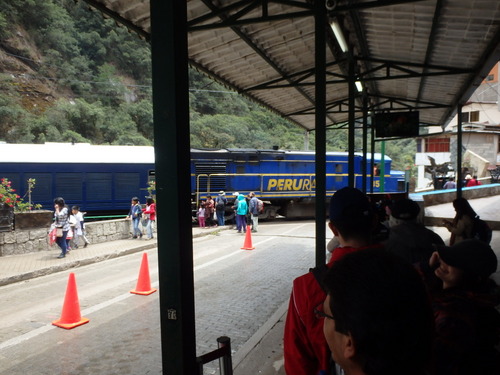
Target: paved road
238 293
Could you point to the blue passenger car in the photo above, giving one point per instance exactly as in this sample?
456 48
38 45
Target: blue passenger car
100 179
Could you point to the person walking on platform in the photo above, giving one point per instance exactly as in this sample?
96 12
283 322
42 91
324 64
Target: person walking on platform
135 215
79 230
61 223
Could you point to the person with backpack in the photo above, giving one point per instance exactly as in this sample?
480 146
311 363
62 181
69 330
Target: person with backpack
220 207
306 351
254 211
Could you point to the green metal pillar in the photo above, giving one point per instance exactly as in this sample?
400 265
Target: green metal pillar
364 164
172 155
352 119
459 175
382 167
320 125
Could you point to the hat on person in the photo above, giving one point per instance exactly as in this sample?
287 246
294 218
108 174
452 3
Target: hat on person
236 193
349 204
405 209
222 192
472 256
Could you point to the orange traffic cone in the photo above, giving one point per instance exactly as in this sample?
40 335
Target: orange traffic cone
248 240
143 286
70 316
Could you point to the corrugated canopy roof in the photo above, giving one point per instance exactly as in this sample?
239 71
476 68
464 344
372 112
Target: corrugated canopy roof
426 55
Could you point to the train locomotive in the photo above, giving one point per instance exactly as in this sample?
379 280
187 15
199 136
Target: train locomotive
285 180
102 179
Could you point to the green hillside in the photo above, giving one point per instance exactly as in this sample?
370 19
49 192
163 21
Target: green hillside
67 74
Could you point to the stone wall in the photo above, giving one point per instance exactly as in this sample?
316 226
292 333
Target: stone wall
36 239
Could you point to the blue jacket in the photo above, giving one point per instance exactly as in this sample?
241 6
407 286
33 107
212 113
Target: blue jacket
242 208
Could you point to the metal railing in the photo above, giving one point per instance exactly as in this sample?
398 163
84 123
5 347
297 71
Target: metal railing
223 353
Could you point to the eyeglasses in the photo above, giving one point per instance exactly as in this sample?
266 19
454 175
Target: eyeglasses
318 310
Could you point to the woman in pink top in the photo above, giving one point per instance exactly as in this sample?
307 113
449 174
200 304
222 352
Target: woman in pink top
150 215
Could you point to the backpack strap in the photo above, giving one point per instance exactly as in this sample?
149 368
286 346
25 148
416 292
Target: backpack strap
319 273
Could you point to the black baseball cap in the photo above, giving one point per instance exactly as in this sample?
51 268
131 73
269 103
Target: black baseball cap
405 209
349 204
472 256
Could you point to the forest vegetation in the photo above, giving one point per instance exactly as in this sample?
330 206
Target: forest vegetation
67 74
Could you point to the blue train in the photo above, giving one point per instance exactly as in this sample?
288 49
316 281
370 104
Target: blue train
102 179
283 179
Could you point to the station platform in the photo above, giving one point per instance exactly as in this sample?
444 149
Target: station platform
264 355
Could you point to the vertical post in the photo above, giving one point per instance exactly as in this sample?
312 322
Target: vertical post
320 125
225 362
372 167
364 164
382 166
459 174
172 170
352 127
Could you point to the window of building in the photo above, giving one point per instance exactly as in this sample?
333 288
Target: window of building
489 77
474 116
465 116
437 145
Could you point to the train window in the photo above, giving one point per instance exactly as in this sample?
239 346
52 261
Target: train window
43 188
338 172
240 169
69 186
99 187
127 185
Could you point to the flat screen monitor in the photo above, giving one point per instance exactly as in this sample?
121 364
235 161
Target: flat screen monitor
396 124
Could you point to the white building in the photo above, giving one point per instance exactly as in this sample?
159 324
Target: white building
480 136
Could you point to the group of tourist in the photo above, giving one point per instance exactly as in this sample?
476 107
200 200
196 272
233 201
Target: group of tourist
67 227
246 211
142 216
406 304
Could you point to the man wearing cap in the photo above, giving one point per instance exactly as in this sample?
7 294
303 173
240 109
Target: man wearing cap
305 348
464 298
408 238
220 207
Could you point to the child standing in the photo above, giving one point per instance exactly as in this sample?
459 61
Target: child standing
79 228
201 215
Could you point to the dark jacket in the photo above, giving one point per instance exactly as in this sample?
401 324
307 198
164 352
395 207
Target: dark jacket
467 327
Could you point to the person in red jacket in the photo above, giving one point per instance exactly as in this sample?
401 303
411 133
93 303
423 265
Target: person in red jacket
305 348
473 182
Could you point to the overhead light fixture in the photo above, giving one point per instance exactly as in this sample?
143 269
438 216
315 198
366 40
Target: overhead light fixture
359 86
339 35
